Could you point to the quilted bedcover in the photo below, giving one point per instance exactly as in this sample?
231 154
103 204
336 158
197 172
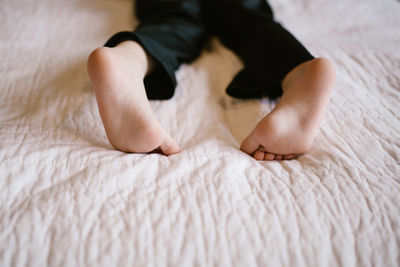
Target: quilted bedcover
69 199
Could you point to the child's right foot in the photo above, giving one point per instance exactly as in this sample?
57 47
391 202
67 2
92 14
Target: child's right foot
117 76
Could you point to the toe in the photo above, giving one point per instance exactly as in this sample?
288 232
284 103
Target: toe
269 156
278 157
249 145
259 155
289 157
169 147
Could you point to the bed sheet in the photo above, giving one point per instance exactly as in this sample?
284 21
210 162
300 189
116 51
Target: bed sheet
69 199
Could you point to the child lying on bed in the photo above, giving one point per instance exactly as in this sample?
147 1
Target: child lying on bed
134 67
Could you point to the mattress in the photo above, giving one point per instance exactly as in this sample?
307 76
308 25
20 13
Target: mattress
69 199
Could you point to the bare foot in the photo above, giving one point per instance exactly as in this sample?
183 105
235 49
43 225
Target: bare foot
117 76
289 130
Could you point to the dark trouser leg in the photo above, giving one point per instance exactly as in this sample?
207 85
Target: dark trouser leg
268 51
172 32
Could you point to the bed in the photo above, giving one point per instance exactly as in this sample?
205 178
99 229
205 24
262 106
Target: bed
69 199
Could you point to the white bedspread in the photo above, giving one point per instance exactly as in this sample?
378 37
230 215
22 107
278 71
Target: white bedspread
69 199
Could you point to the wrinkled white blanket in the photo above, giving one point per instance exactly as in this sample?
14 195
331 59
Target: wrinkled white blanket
69 199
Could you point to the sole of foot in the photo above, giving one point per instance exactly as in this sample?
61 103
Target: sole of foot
291 127
117 77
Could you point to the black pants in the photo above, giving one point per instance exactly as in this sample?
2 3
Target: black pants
174 31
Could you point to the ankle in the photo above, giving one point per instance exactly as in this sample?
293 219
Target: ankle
320 65
138 55
293 73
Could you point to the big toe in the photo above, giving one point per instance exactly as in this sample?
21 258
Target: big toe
169 147
249 145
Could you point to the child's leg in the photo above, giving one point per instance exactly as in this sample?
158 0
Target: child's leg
275 64
135 66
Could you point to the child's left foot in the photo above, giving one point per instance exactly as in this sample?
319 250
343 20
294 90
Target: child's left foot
291 127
